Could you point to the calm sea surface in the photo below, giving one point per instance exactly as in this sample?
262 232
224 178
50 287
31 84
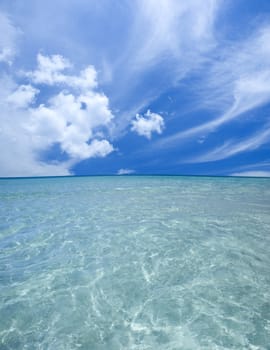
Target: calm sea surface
135 263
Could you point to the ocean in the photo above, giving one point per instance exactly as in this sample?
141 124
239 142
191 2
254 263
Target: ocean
135 262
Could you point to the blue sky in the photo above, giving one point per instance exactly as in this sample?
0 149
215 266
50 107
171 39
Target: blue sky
142 87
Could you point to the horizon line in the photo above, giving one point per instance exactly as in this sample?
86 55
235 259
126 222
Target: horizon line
129 175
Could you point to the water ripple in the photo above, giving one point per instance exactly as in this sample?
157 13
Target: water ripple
135 263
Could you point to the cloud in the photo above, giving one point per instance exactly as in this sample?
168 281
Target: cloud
22 97
253 173
71 121
231 148
237 83
55 105
19 155
162 43
51 71
145 126
165 41
8 39
75 119
125 171
260 169
172 29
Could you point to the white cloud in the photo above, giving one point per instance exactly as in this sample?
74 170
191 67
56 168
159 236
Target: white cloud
147 124
174 29
125 171
8 38
51 70
19 155
83 150
72 120
253 173
238 83
164 42
64 121
230 148
252 169
22 97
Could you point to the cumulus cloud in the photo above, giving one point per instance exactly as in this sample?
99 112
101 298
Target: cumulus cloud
73 119
19 155
70 120
8 38
51 70
168 41
147 124
22 97
125 171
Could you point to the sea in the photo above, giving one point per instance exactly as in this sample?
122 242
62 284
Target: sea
135 262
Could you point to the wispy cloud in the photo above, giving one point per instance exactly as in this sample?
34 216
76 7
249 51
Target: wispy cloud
169 29
9 35
147 47
241 78
158 44
253 173
231 148
166 41
261 168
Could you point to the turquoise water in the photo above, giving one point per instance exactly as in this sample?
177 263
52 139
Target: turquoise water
135 263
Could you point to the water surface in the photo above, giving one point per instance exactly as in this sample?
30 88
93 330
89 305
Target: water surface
135 263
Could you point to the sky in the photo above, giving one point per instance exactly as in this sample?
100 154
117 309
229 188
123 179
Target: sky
93 87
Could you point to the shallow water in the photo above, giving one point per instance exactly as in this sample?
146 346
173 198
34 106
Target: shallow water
135 263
